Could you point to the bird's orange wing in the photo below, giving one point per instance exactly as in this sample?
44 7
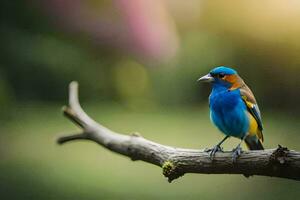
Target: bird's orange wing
253 108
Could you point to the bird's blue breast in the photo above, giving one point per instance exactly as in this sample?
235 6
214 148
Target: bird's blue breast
228 111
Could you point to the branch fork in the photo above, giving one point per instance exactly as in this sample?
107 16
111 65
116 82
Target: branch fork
175 162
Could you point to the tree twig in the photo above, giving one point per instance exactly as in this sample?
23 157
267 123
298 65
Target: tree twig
175 162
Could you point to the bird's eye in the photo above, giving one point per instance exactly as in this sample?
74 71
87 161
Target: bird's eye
221 75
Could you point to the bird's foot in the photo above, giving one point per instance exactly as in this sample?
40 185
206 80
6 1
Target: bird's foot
236 152
213 151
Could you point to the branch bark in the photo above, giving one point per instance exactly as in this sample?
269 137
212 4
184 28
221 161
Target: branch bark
175 162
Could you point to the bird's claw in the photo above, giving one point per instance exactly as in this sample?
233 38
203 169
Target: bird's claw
236 152
213 151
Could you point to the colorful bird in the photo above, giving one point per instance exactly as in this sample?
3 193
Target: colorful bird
233 109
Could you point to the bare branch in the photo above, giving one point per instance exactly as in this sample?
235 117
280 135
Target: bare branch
69 138
175 162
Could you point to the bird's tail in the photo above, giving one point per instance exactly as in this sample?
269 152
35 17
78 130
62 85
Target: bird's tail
253 143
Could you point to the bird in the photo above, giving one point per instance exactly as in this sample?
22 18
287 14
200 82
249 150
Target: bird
233 110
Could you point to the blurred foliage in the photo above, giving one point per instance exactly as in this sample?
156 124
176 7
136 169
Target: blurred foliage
7 98
38 59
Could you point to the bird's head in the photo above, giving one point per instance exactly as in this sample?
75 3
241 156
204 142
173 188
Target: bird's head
223 76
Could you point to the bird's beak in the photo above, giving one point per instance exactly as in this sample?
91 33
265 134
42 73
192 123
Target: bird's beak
206 78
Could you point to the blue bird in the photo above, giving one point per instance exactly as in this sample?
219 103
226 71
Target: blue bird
233 109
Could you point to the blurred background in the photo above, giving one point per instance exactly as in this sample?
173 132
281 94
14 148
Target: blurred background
137 62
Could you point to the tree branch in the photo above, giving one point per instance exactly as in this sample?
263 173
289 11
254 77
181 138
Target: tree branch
175 162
